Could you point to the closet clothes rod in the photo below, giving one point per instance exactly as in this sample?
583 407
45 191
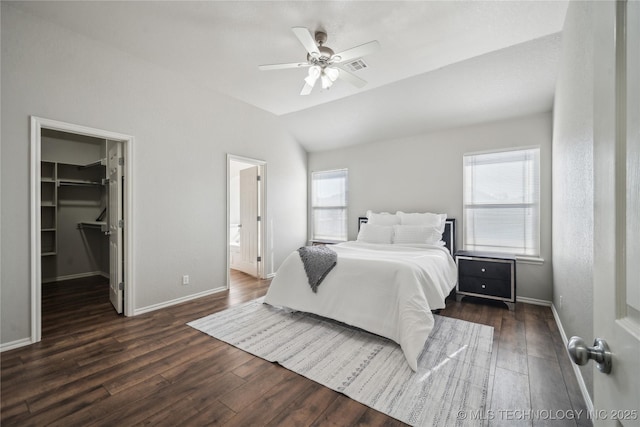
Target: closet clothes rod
101 162
79 184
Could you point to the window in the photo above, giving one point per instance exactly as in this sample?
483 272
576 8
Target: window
329 205
502 202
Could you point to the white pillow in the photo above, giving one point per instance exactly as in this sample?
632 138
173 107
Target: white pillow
371 233
383 218
422 219
423 234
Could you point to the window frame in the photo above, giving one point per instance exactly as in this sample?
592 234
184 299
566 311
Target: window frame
312 208
537 204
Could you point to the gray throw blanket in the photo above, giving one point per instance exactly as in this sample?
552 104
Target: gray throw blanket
318 262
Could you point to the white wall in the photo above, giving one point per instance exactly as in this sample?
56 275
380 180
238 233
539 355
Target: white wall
182 134
573 179
424 172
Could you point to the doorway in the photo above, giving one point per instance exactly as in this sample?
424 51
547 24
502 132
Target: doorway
80 204
246 203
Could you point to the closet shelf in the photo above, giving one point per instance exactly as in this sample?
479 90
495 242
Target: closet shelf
101 225
101 162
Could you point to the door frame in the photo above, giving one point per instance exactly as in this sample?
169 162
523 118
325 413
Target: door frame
615 318
262 205
37 124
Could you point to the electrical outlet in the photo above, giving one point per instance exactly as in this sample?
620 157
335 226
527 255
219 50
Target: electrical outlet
560 303
185 280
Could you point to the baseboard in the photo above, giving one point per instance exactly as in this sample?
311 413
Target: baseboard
15 344
180 300
576 370
534 301
74 276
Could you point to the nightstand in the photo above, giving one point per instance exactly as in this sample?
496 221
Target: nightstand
487 275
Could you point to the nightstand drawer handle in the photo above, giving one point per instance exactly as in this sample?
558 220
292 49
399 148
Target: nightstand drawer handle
483 270
484 286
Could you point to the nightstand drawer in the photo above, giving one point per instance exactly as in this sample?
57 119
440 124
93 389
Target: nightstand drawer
484 269
487 275
485 286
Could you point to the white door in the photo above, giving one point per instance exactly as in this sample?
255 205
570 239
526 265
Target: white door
617 210
115 226
249 221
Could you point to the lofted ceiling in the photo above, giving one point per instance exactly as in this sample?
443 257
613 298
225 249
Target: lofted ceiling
441 63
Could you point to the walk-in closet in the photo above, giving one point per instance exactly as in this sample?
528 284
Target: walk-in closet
78 193
74 202
81 214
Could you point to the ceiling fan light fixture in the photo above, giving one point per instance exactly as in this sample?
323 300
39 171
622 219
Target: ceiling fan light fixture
326 81
314 73
328 76
332 73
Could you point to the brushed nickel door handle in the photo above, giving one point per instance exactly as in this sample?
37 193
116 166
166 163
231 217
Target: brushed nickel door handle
580 354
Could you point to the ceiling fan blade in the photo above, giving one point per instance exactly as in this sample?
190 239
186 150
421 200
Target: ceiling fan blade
351 78
283 66
306 89
307 40
357 52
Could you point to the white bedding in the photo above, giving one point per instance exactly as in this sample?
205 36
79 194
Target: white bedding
385 289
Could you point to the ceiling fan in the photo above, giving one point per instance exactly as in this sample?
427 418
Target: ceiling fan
323 62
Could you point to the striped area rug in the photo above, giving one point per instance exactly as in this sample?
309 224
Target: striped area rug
452 376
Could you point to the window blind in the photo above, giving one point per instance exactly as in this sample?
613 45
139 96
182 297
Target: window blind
329 205
502 202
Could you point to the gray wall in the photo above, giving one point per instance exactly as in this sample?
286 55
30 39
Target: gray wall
424 173
182 135
573 179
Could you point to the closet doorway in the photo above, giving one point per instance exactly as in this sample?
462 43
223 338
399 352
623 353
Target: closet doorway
246 203
81 211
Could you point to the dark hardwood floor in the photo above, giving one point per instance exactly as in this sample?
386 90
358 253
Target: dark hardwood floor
94 367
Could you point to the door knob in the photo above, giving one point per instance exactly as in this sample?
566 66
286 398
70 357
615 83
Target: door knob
581 354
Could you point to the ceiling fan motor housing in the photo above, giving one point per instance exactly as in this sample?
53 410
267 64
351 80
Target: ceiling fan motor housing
325 55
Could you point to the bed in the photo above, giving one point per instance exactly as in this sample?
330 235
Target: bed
388 288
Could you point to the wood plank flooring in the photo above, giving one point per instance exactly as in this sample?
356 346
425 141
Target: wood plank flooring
94 367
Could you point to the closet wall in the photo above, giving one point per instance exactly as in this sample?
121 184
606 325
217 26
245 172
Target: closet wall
73 245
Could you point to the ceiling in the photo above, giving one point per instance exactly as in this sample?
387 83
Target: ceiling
441 64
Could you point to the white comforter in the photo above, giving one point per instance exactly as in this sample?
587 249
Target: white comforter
389 290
